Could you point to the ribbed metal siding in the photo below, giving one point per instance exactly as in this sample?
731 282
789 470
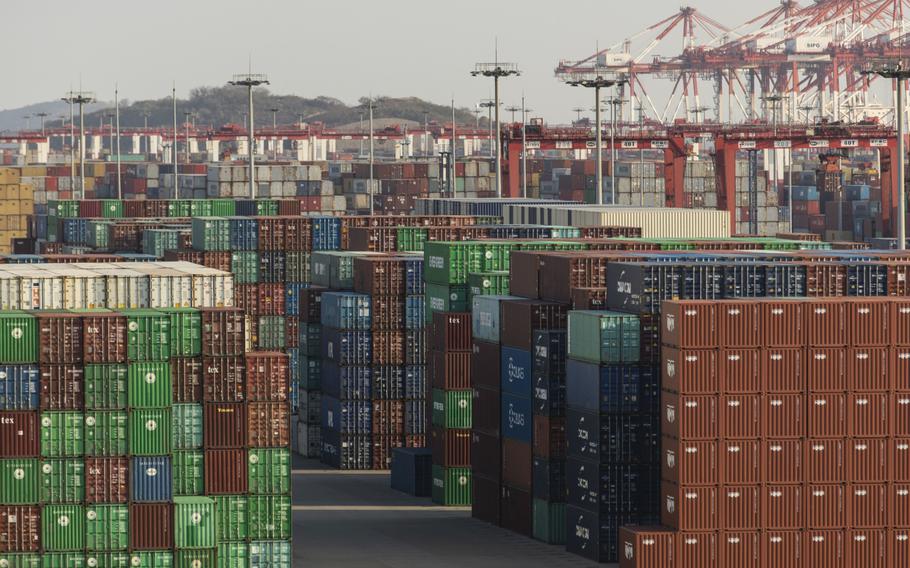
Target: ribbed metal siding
269 471
19 482
270 517
19 387
107 527
62 481
106 433
18 338
266 554
150 431
194 522
187 429
63 527
62 434
151 479
105 386
149 385
188 470
153 559
233 518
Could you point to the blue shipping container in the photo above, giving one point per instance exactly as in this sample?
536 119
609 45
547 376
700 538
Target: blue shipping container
326 233
415 417
612 488
596 536
150 479
415 347
515 371
347 451
244 233
412 471
415 308
517 421
613 438
414 284
347 416
19 388
415 382
347 383
346 310
388 382
623 389
347 347
292 293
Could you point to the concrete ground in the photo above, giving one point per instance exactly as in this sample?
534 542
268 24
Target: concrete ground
355 520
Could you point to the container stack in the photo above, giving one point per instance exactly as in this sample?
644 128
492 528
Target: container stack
305 302
16 204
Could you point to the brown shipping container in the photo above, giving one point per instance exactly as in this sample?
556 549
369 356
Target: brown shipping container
782 461
218 260
782 416
271 299
486 455
899 504
59 338
783 506
62 387
516 464
899 547
389 347
222 379
388 313
151 526
107 480
782 549
647 547
899 368
588 298
782 323
823 549
104 338
379 275
868 548
388 417
868 322
225 472
689 324
549 437
450 370
826 323
826 506
186 378
689 371
451 448
222 331
452 331
485 495
485 365
740 549
524 269
867 505
738 324
900 414
689 417
899 459
827 415
739 371
521 318
696 549
225 425
868 368
20 528
783 370
486 410
311 304
269 425
515 508
741 416
867 415
19 434
826 369
740 462
740 506
825 460
867 460
688 508
900 322
689 463
267 376
382 450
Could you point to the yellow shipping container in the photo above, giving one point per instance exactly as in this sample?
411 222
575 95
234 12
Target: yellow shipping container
97 169
9 207
26 192
34 171
9 175
89 183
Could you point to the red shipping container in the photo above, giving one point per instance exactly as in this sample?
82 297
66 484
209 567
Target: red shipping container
783 370
900 322
647 547
782 416
59 338
739 371
246 298
517 464
826 369
899 504
867 369
20 528
782 461
549 437
867 460
19 434
740 506
689 371
738 324
223 379
868 548
104 338
388 417
186 378
690 324
292 331
269 425
827 415
826 323
899 459
689 417
899 547
783 506
689 463
151 526
696 549
899 369
271 299
867 505
452 331
782 549
868 414
61 387
225 472
740 549
107 480
688 508
741 462
826 506
900 414
267 376
782 323
741 416
451 370
868 322
451 448
224 425
825 461
222 331
823 549
219 260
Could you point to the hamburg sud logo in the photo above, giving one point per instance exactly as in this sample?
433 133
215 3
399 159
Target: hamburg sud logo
516 418
516 372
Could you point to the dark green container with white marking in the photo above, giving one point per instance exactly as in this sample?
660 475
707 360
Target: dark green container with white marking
245 267
310 373
452 408
604 337
24 560
451 486
310 339
195 523
488 284
297 267
106 433
443 298
105 386
187 428
549 522
148 334
107 527
63 528
188 472
63 560
185 331
272 333
233 555
151 559
62 481
18 337
200 558
270 517
233 517
19 481
62 434
150 431
149 384
269 471
107 559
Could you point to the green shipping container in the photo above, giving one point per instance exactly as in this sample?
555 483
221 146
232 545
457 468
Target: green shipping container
269 471
310 339
185 331
270 517
488 284
108 559
297 267
266 208
98 234
204 558
150 431
195 524
270 554
451 486
442 298
233 517
178 208
64 208
187 428
245 267
105 386
223 207
411 239
211 234
19 481
310 373
63 528
549 522
272 333
156 241
233 555
201 208
450 262
111 208
62 481
188 470
63 560
106 433
24 560
452 408
148 335
150 384
107 527
62 434
604 337
18 338
152 559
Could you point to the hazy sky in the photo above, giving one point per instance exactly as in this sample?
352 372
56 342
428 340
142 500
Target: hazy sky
343 49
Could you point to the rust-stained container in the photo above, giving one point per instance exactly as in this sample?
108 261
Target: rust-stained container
225 425
452 370
782 323
739 371
741 462
738 324
826 369
186 378
783 416
825 460
783 507
866 460
222 379
549 438
388 418
516 464
740 549
868 368
20 435
222 331
689 463
823 549
20 528
900 414
59 337
899 504
826 323
868 322
867 505
451 448
647 547
226 472
826 415
689 324
900 322
783 370
104 337
521 318
782 548
486 361
689 417
696 549
867 414
899 462
107 480
269 425
826 506
267 376
741 416
689 371
868 548
151 526
899 547
688 508
740 507
782 461
389 348
62 387
451 331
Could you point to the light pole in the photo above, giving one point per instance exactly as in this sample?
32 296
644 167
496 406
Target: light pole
186 129
578 111
524 148
110 132
117 115
70 98
41 115
497 71
641 156
614 102
488 104
80 98
513 109
249 81
145 117
371 106
274 111
28 121
452 184
426 134
808 110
